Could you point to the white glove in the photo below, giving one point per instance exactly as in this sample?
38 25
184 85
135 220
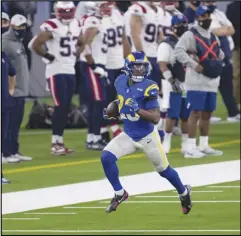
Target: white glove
100 71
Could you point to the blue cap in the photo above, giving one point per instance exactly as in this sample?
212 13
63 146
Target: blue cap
201 10
178 19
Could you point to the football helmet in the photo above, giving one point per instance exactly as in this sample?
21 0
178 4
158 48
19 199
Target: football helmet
170 5
105 7
137 66
64 11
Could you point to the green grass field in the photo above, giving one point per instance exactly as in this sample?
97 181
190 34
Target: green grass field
47 171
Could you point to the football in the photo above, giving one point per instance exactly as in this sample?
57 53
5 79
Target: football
112 110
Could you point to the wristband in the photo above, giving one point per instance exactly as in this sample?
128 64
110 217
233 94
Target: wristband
48 56
92 66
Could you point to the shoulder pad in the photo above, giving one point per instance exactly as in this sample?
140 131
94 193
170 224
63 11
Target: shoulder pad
91 21
48 25
137 9
121 78
152 90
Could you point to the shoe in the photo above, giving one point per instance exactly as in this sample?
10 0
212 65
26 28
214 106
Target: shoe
117 132
98 146
116 201
186 200
176 131
88 145
4 160
22 157
194 153
105 138
211 152
5 181
234 119
58 149
215 120
13 159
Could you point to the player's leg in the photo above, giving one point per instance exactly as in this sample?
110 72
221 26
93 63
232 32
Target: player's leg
172 115
121 145
58 88
196 103
152 147
185 112
204 125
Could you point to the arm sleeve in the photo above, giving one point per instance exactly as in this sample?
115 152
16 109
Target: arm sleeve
164 52
12 70
185 43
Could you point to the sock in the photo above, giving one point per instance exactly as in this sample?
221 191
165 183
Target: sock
120 192
60 139
111 170
161 134
168 137
54 138
90 138
191 143
172 176
59 120
103 130
96 138
114 128
203 142
184 140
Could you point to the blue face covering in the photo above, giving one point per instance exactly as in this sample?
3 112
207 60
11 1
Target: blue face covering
19 33
4 29
212 8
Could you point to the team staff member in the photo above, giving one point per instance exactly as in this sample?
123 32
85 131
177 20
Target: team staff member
12 45
8 83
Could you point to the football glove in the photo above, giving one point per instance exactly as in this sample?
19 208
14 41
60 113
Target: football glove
176 85
133 104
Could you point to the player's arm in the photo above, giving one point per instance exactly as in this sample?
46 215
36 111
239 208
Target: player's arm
151 115
136 27
80 46
38 43
126 45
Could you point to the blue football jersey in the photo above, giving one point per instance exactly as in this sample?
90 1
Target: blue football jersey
145 93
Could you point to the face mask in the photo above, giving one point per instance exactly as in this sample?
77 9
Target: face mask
212 8
180 30
19 33
4 29
205 24
196 3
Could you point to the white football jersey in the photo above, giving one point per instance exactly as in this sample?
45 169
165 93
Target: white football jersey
151 26
62 46
115 30
99 45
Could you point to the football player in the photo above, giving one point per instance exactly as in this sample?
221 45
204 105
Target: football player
61 35
139 110
118 49
93 62
174 74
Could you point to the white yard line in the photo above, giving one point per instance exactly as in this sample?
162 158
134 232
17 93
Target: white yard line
223 186
79 207
149 196
20 218
120 231
50 213
138 202
204 191
100 190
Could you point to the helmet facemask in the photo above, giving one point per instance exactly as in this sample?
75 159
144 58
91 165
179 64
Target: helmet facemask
139 71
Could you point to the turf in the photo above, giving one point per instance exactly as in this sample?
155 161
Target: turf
137 216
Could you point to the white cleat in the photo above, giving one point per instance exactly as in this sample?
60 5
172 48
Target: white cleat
215 120
166 146
23 158
13 159
211 152
234 119
194 153
4 160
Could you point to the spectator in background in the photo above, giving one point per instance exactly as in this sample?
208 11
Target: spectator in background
4 23
27 9
7 89
12 45
233 14
224 29
190 10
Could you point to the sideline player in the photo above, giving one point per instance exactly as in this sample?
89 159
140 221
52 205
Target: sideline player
174 74
60 35
139 110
